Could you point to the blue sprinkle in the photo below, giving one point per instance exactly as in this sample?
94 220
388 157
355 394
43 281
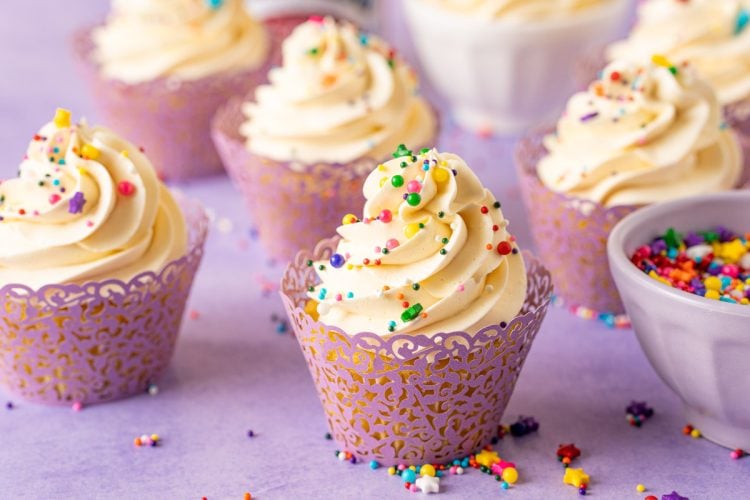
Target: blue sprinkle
727 299
743 16
214 4
350 295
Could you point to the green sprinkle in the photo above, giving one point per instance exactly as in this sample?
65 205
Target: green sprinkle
313 51
385 251
397 181
421 225
309 263
404 164
411 313
413 199
672 238
710 236
496 204
443 251
445 241
402 150
415 287
441 214
322 267
424 151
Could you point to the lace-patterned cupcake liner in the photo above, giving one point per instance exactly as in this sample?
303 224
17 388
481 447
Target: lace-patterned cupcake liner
99 341
413 398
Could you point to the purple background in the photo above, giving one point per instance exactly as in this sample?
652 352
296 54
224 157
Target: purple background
233 372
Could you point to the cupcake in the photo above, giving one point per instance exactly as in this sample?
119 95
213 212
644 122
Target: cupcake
415 321
299 149
158 72
711 35
639 135
95 268
478 53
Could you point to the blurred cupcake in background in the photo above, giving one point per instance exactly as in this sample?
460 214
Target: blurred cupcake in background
96 265
639 135
158 72
300 147
712 35
504 66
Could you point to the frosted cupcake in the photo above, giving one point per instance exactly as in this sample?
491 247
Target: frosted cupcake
300 148
639 135
416 320
159 71
478 53
711 34
95 267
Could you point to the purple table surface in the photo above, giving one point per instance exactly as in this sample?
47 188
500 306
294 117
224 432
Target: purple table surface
232 372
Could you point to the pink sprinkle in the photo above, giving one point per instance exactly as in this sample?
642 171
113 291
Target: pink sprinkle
392 243
378 249
339 297
126 188
386 216
89 223
401 467
54 198
77 406
460 288
413 186
193 314
316 19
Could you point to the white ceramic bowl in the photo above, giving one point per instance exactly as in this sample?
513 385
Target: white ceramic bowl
699 347
507 76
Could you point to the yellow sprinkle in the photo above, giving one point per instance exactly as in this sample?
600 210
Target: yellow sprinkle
89 151
744 301
82 171
661 60
440 175
695 433
154 437
391 471
62 118
349 219
311 308
350 266
443 163
124 153
712 294
640 488
382 167
411 229
712 283
383 181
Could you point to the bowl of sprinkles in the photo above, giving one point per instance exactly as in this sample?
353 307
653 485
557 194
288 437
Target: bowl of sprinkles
683 271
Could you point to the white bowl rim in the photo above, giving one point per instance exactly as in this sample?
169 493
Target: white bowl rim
618 257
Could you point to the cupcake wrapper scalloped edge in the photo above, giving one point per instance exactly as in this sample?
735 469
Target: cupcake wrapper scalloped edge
413 398
101 340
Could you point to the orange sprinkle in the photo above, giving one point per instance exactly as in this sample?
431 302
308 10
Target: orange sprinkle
424 315
329 80
400 296
489 246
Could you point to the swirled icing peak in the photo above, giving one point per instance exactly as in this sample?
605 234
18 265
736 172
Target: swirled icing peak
430 254
86 205
339 96
642 134
711 34
185 39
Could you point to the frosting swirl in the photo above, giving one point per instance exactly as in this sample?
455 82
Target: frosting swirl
522 10
711 34
431 254
642 134
86 205
339 96
185 39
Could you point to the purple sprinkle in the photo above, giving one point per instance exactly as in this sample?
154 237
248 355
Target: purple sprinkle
589 116
250 434
658 246
692 239
75 206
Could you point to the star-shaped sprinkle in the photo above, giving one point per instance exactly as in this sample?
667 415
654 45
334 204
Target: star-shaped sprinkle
402 150
568 451
487 458
428 484
674 496
576 477
76 203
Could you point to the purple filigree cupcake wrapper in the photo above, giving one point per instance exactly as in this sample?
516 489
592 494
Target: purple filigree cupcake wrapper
100 341
413 398
168 118
292 205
